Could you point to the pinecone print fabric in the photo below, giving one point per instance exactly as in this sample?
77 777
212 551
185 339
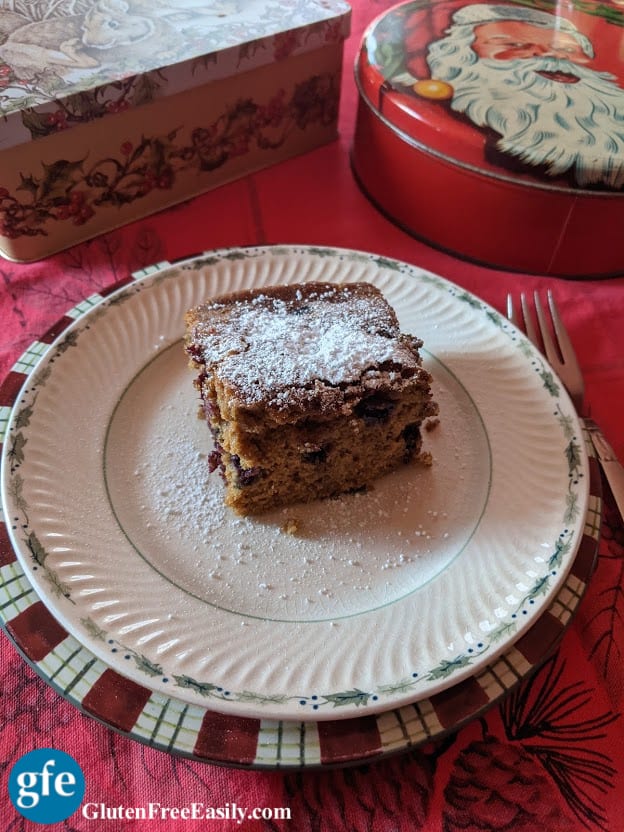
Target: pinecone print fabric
541 761
499 786
600 622
389 795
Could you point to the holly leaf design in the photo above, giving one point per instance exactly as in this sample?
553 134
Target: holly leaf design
16 453
93 629
37 551
446 668
348 697
28 183
35 122
147 666
22 419
203 688
144 89
210 261
70 340
250 696
235 255
135 172
16 492
549 382
572 507
540 587
42 376
58 587
496 319
58 178
525 348
573 455
503 630
322 252
566 424
401 686
384 263
246 51
469 299
562 547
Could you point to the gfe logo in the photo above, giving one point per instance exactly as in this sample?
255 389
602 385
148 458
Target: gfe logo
46 785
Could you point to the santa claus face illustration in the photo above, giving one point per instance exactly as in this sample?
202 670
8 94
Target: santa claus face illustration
524 75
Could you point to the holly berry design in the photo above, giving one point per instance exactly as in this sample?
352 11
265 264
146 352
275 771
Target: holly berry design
72 190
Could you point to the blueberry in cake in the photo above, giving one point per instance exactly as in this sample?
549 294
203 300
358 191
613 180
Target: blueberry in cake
309 391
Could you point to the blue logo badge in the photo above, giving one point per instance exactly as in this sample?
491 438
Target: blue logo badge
46 785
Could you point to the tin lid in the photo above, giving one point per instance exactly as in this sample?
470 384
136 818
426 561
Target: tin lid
67 62
513 91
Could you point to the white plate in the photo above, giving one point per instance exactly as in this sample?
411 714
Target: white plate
379 599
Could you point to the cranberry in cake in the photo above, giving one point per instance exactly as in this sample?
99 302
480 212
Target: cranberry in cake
309 391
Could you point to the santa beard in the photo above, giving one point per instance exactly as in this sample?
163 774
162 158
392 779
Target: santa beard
560 127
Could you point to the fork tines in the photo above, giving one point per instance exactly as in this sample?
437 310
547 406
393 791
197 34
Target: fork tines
541 336
558 349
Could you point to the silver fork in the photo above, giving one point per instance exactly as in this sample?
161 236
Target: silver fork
562 358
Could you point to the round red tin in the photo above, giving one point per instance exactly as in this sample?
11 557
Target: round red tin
496 130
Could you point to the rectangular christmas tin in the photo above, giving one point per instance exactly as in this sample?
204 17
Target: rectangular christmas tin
495 130
114 109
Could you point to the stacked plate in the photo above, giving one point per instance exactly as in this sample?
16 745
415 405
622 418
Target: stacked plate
318 634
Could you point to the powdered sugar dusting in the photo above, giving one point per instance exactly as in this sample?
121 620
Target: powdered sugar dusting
325 560
271 344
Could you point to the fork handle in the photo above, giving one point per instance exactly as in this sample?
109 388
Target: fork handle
612 467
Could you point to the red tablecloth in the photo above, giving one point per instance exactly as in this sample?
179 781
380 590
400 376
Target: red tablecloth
551 756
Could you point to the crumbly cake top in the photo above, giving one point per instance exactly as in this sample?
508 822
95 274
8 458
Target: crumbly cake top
266 343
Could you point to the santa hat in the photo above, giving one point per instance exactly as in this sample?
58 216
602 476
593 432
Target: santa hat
478 13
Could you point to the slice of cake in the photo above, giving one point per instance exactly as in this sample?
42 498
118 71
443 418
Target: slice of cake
309 391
